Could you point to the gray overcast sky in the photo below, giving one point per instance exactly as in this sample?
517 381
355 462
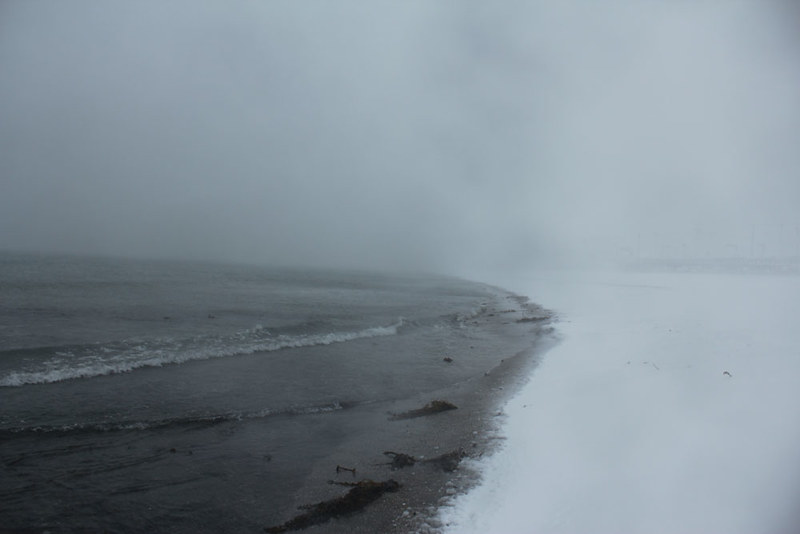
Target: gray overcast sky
430 135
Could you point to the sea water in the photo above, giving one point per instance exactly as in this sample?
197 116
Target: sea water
177 396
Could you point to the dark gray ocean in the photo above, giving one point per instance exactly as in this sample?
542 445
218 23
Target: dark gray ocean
144 396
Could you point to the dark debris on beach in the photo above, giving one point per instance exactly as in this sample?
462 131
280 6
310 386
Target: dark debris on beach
447 462
360 495
433 407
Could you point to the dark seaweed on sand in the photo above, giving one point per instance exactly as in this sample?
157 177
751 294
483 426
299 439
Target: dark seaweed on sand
533 319
447 462
431 408
360 495
399 459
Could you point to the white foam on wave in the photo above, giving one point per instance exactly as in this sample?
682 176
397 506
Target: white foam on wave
102 362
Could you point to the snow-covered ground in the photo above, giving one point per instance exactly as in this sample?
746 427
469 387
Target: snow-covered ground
631 423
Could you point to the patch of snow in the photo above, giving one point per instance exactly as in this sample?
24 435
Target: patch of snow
671 405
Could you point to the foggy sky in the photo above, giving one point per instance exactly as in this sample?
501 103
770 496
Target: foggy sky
424 135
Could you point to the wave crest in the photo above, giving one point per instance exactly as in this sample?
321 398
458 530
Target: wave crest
105 360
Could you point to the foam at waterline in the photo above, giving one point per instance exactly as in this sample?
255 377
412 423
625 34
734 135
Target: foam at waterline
104 362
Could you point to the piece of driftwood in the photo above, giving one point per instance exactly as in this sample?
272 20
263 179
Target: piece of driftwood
433 407
340 468
361 494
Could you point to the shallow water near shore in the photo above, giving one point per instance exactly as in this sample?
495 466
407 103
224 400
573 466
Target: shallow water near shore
145 396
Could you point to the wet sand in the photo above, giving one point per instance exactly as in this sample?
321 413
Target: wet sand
472 428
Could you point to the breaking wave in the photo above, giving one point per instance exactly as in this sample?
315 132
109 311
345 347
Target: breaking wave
69 363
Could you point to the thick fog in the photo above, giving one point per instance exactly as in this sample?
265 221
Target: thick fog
422 135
